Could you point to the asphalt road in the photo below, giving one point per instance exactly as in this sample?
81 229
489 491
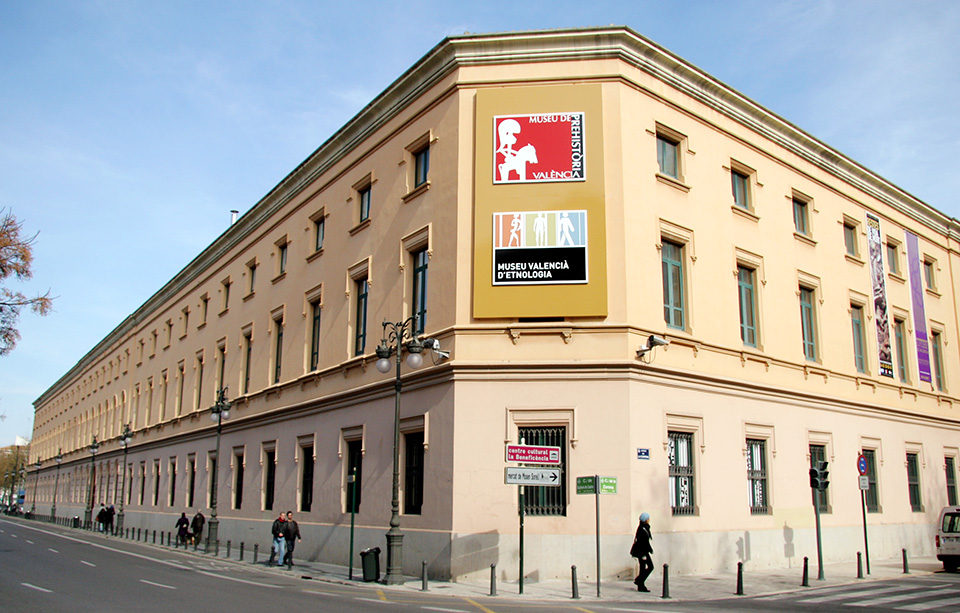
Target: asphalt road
51 569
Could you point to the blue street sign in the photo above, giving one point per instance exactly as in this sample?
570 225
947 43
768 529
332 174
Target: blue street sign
862 464
643 454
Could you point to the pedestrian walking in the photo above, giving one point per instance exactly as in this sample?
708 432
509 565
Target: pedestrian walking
101 518
183 529
291 534
279 542
196 526
111 512
641 550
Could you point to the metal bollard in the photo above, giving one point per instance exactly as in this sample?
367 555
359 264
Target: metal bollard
739 578
217 550
241 551
493 579
138 534
666 581
256 550
196 543
155 538
423 574
906 567
228 548
573 583
806 576
859 565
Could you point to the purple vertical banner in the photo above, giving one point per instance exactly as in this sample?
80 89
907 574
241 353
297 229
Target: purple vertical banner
879 296
919 315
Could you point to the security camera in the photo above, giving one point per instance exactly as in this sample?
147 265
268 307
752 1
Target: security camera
657 341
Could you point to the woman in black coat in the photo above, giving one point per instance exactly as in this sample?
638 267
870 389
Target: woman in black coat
641 550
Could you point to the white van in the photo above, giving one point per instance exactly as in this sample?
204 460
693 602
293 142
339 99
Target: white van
948 538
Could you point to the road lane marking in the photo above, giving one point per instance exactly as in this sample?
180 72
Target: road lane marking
445 610
933 604
29 541
53 550
256 583
88 563
39 589
372 600
169 587
900 598
478 605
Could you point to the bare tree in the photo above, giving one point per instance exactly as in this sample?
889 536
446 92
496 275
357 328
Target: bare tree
16 258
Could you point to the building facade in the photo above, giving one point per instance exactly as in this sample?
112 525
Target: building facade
541 203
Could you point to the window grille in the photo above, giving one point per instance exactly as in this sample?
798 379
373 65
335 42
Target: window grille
757 477
680 456
542 500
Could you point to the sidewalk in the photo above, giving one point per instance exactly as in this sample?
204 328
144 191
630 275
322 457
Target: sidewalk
681 588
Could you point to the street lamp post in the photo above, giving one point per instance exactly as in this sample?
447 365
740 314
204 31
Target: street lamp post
6 478
88 514
56 486
125 439
397 336
219 412
33 506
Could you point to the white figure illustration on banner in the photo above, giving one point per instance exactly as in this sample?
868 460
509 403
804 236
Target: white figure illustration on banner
540 228
513 161
514 230
566 229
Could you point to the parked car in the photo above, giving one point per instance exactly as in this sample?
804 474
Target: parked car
948 538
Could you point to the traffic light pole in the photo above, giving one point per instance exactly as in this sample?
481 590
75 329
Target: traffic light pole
816 508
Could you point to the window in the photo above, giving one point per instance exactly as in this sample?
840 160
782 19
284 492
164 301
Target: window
282 258
221 365
818 453
413 473
199 368
801 217
872 495
913 483
143 481
741 189
156 482
269 478
859 353
225 293
238 479
354 468
757 477
204 308
850 238
173 481
748 321
212 477
808 323
680 458
936 346
306 478
278 349
186 321
360 335
247 360
314 336
900 340
179 399
319 227
191 479
363 195
928 276
541 500
951 481
421 166
420 289
671 255
893 261
251 276
667 159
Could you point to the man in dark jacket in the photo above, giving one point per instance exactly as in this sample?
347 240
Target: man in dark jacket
291 531
279 542
641 550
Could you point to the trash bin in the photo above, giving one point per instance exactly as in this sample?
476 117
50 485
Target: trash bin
76 521
370 560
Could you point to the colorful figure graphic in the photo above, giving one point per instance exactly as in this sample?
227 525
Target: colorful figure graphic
565 229
540 229
514 231
513 161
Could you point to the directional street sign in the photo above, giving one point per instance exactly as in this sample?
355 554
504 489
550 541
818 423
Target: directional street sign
587 485
533 454
549 477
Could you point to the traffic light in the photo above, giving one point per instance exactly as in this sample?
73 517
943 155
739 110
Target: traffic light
814 478
822 469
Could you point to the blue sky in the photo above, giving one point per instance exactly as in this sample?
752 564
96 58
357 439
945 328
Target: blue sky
121 120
